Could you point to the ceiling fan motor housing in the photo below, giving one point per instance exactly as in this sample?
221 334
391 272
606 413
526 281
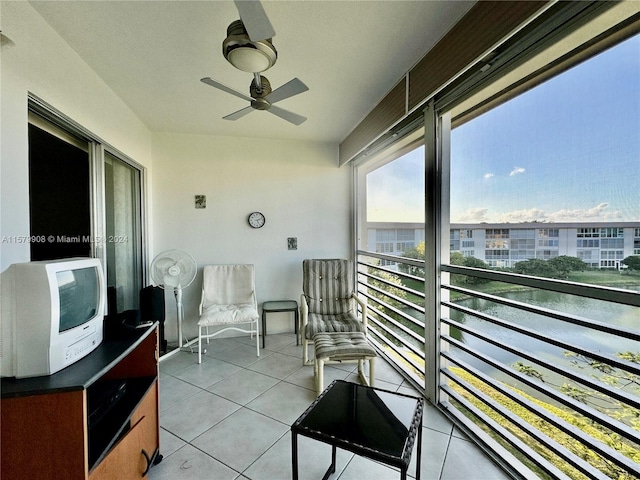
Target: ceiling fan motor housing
246 55
258 94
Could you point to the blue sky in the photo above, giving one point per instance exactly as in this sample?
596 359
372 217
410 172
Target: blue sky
566 151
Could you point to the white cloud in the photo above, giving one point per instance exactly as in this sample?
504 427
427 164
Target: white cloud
516 171
598 213
473 215
488 175
519 216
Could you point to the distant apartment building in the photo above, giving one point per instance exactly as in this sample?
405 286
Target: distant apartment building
599 245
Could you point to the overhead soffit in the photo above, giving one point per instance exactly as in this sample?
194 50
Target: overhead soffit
477 33
520 75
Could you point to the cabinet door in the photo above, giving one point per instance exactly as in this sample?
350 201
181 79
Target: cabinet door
148 410
125 461
130 457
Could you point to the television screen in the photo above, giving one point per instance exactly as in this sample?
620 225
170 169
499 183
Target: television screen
79 292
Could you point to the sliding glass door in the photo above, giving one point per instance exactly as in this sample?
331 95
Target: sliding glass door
123 231
85 200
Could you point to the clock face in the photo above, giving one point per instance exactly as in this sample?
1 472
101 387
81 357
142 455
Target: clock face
256 220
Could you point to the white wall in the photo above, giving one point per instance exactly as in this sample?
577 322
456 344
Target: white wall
298 186
37 60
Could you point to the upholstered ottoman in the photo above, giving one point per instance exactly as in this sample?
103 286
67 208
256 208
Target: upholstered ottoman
339 347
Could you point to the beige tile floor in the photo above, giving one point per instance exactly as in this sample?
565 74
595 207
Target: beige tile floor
230 417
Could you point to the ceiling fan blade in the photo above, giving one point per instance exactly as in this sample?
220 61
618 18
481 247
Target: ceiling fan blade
224 88
255 20
289 89
287 115
239 114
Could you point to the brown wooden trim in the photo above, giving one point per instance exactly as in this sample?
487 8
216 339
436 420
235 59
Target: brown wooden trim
388 112
486 24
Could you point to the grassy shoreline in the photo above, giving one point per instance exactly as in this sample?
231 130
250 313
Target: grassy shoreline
605 279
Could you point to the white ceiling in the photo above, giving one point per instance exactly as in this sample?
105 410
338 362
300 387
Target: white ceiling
154 53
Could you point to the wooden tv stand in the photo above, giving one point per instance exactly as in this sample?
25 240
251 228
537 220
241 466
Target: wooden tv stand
96 419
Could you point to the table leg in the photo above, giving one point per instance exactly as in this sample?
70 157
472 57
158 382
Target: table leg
264 326
419 452
296 326
332 467
294 455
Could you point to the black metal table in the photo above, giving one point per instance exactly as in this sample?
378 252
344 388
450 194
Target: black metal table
371 422
279 306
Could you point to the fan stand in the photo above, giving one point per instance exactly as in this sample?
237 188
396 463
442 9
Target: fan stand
177 291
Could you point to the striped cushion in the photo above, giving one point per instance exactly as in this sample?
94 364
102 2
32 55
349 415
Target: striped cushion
327 285
344 322
342 345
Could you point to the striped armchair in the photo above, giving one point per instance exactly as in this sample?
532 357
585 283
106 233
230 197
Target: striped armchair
328 302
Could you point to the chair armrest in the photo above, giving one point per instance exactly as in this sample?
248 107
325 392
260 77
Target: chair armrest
201 303
363 307
304 313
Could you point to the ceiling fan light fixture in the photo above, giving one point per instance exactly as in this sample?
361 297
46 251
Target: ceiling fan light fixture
246 55
249 58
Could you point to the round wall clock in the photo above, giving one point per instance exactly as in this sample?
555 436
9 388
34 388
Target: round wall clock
256 219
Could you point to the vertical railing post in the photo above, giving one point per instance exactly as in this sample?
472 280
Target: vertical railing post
432 255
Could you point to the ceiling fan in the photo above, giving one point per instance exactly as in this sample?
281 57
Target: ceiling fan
263 98
249 48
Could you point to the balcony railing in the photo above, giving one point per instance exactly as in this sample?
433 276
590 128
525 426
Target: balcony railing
543 372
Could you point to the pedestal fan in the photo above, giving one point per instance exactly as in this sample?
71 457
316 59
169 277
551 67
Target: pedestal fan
174 269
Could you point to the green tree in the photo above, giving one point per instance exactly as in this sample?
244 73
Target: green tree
632 262
416 253
565 264
388 283
535 267
385 289
474 262
458 258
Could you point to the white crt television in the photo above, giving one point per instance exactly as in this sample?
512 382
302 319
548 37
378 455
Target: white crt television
52 315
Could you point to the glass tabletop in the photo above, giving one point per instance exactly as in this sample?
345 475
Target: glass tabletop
370 419
280 305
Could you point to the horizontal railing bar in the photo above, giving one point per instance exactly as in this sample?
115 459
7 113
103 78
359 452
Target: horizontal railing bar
472 429
396 350
621 395
602 449
389 332
598 292
536 434
618 362
565 317
395 335
386 282
580 407
399 273
392 258
398 299
404 315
